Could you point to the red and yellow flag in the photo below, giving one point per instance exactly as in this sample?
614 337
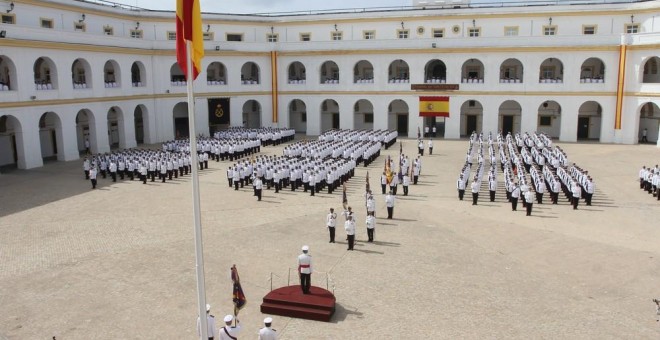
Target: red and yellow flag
434 106
189 27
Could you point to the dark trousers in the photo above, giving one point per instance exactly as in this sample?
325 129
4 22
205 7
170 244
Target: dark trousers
390 212
529 208
332 234
383 187
305 282
405 190
93 183
576 200
114 176
421 152
259 194
370 234
236 185
514 203
475 198
588 198
492 196
311 188
430 151
461 193
415 178
539 198
86 174
351 241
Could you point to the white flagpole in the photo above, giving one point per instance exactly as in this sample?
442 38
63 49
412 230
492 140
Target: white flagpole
199 253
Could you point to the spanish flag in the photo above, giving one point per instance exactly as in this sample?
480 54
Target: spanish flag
434 106
189 27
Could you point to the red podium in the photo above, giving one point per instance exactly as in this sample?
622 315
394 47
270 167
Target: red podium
289 301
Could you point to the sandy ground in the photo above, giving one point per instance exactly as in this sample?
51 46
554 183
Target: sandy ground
118 262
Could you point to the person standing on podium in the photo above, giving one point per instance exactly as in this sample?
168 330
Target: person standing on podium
305 269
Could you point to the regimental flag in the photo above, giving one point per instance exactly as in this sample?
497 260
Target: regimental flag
189 27
344 199
434 106
237 296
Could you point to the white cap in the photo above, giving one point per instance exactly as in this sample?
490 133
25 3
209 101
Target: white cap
208 307
305 248
268 320
229 318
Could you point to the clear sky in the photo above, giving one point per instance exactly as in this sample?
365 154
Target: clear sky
268 6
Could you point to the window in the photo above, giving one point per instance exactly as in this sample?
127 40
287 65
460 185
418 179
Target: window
234 37
403 34
438 32
305 36
136 34
208 36
271 37
171 35
547 72
545 121
79 27
369 35
549 30
46 23
108 30
474 32
632 28
9 19
590 29
337 35
368 117
510 31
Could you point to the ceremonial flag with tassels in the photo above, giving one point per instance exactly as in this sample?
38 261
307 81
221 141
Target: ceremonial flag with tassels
344 199
189 28
237 296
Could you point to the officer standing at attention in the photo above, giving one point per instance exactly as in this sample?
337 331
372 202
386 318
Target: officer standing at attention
389 201
331 222
349 226
210 323
92 176
420 147
258 187
515 194
267 333
492 187
460 185
430 147
371 227
529 197
305 269
475 191
230 332
383 182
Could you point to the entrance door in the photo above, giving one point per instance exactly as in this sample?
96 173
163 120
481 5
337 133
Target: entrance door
335 120
507 125
471 125
583 128
402 125
181 127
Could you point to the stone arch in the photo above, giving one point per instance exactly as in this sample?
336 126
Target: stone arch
398 72
363 115
50 136
177 77
45 74
116 130
138 74
297 73
649 119
398 117
551 71
81 74
511 71
435 71
180 117
8 76
651 70
592 71
141 124
252 114
298 115
329 73
86 130
510 113
590 117
216 74
363 72
329 115
473 71
111 74
549 119
12 150
250 73
472 116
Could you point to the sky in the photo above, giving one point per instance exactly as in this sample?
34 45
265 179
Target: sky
267 6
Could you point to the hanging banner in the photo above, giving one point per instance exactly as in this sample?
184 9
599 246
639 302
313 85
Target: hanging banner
218 111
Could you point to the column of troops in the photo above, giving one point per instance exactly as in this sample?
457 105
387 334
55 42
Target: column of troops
267 135
649 180
533 154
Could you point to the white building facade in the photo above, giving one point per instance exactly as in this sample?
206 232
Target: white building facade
76 71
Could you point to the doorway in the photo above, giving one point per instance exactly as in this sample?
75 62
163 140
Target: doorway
181 127
335 120
583 128
507 125
471 125
402 124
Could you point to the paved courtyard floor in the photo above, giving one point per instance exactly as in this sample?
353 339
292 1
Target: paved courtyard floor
118 262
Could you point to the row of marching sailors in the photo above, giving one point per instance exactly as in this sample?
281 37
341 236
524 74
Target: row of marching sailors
279 172
217 149
366 151
267 135
649 180
385 137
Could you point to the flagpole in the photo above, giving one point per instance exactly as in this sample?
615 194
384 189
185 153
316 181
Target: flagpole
199 253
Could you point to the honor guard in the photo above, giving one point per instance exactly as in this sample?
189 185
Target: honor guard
305 270
229 332
267 333
331 223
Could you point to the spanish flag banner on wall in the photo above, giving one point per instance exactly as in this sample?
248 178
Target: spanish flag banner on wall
434 106
189 27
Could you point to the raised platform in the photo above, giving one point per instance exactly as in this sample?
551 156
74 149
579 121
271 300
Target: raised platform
289 301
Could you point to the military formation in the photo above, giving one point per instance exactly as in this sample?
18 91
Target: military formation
649 181
531 167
